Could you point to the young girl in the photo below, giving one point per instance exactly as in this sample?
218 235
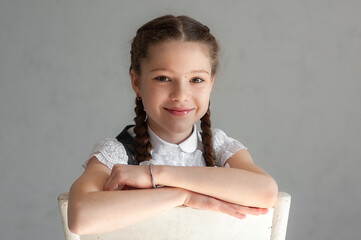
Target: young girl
173 66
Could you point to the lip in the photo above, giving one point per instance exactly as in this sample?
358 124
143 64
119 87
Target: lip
176 111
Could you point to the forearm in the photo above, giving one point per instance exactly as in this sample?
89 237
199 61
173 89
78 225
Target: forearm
105 211
229 184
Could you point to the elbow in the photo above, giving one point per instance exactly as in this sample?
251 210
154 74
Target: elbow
73 227
74 223
76 219
271 193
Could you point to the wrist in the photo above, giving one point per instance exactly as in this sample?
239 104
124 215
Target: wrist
157 174
150 166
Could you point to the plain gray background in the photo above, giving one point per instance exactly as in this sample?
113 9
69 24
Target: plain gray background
288 88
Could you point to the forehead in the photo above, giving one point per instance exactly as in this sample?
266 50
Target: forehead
178 55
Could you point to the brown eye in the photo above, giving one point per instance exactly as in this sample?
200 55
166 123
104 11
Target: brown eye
197 80
162 79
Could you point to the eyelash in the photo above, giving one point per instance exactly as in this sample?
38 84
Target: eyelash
194 80
197 80
161 78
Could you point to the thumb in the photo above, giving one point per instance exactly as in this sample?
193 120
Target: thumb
112 185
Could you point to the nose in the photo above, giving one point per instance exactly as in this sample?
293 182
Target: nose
180 92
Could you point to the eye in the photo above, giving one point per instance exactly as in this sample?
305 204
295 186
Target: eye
162 79
197 80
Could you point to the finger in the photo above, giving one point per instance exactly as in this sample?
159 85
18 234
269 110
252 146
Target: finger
106 185
264 210
126 187
252 210
227 208
259 211
231 211
111 184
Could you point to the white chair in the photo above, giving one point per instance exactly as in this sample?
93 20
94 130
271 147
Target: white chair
184 223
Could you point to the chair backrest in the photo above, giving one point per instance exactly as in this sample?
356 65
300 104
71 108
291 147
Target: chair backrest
187 224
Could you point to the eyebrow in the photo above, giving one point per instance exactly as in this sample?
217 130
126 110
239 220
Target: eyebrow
168 70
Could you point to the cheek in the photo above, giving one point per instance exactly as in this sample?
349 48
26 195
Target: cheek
203 105
150 91
203 98
151 103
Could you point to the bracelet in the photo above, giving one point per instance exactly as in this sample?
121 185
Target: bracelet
151 175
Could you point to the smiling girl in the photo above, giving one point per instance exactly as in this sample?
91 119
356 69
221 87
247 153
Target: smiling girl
173 66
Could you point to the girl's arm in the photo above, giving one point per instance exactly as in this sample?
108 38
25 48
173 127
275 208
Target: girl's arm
244 183
93 210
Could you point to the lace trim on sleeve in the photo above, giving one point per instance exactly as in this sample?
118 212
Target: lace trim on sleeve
109 152
224 147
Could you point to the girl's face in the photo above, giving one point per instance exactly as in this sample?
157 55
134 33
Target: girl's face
175 86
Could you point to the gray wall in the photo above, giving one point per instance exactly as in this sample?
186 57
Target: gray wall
288 88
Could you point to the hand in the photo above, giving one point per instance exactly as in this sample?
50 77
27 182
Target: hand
125 176
204 202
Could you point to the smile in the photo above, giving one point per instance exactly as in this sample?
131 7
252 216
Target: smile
179 111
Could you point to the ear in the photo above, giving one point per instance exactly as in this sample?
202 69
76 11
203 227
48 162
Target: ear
135 82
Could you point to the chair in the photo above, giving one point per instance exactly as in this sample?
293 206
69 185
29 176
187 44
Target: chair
184 223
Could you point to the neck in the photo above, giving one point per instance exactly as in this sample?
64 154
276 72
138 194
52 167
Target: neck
171 137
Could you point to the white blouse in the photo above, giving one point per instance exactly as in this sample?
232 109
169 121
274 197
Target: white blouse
110 151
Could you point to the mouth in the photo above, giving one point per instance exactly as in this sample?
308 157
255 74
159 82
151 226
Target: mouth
179 111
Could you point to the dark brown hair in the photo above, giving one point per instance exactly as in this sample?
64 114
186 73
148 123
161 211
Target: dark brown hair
163 29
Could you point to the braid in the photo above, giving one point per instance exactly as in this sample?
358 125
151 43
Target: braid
208 153
142 143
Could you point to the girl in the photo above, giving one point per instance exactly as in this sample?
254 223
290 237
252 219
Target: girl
173 65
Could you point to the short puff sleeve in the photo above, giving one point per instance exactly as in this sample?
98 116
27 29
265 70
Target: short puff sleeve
224 147
109 151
